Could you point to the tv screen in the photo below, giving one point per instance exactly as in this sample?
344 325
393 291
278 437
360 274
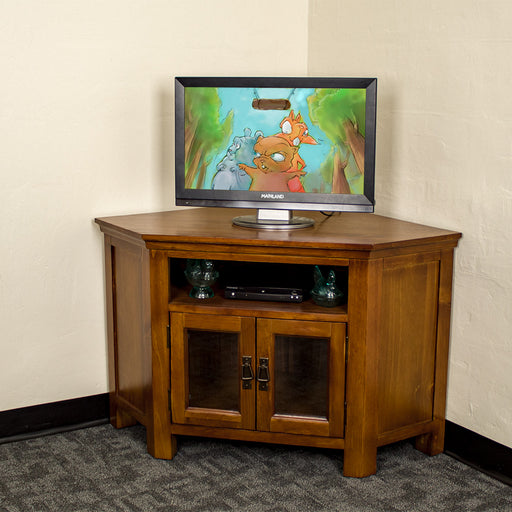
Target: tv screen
276 144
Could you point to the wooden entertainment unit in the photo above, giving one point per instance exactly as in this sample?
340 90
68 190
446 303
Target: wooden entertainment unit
366 373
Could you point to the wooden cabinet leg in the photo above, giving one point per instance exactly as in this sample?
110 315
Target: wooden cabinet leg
360 462
161 447
433 442
118 417
122 420
161 443
360 457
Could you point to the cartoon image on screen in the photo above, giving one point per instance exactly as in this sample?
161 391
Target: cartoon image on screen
294 140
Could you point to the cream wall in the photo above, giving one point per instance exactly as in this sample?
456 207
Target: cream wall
86 130
444 158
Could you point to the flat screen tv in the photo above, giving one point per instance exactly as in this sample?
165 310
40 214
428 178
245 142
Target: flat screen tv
277 145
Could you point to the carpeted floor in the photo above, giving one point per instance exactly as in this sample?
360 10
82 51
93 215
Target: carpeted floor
108 470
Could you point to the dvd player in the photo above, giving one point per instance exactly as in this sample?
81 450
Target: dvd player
263 293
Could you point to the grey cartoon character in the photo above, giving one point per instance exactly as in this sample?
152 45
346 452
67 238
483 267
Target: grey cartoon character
229 175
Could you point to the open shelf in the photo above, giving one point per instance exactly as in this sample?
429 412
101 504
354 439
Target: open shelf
234 273
306 310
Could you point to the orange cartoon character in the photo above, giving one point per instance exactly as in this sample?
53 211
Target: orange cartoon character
295 131
273 161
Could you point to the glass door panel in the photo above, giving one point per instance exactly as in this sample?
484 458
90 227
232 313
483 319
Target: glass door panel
305 392
207 354
213 378
301 376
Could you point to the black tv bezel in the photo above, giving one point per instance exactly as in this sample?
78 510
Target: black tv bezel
292 201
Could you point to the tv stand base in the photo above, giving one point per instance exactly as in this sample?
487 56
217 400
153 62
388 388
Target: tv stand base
273 219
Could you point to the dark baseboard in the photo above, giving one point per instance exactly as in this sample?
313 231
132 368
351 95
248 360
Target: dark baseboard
479 452
45 419
469 447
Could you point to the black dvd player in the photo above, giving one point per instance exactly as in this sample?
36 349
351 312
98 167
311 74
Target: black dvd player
263 293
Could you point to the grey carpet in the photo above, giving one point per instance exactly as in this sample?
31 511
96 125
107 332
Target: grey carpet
107 470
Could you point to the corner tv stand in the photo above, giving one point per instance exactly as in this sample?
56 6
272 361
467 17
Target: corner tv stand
366 373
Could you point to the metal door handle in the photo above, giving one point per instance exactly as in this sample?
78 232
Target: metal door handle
247 373
263 374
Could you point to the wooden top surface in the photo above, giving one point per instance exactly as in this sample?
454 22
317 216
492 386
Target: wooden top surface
348 231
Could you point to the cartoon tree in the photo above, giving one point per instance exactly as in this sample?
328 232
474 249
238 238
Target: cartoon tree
205 134
340 114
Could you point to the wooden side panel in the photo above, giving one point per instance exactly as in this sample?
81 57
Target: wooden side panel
131 324
407 351
111 335
433 443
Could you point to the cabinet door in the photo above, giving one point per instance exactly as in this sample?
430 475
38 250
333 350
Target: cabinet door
209 356
305 367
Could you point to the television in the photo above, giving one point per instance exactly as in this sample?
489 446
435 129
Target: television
277 145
